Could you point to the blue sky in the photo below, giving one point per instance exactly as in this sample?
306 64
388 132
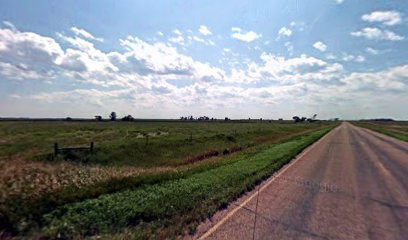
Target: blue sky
165 59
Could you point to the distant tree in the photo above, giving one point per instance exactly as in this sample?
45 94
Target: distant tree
226 119
98 118
127 118
303 119
112 116
68 119
296 119
280 119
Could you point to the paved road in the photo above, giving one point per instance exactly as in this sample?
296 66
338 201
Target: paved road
352 184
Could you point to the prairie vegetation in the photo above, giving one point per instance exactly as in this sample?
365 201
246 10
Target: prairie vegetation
396 129
150 188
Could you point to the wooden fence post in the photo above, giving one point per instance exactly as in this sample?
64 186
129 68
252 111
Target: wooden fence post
191 137
92 146
147 139
55 149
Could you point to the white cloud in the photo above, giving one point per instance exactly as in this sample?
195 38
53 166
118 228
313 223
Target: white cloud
291 70
85 34
204 30
339 1
177 32
289 47
246 37
284 31
22 71
144 74
33 54
390 79
388 18
377 34
159 58
350 57
320 46
179 40
160 34
360 58
10 25
372 51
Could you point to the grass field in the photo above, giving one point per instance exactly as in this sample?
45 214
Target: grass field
129 187
396 129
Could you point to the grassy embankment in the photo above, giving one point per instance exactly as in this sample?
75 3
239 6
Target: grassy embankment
394 129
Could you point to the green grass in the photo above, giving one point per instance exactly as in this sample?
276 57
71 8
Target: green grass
120 144
167 208
37 211
397 130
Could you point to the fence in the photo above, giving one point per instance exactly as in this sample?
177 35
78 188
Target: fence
63 151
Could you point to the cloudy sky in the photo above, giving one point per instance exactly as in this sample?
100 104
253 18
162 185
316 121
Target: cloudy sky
237 59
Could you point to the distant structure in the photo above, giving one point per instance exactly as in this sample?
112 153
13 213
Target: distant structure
112 116
128 118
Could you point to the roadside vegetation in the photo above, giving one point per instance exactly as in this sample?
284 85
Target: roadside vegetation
70 198
396 129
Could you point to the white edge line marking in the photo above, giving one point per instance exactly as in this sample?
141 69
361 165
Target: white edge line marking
273 177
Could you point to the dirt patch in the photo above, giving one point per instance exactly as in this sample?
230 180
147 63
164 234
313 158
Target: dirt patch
151 134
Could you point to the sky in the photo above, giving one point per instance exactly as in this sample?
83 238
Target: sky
232 58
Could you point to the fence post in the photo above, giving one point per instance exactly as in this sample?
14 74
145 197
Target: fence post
92 147
147 139
55 149
191 137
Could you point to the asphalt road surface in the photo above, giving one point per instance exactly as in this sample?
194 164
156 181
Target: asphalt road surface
352 184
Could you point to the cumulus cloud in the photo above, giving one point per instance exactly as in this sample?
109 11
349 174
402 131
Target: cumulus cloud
389 18
158 58
372 51
284 71
284 32
377 34
145 73
320 46
244 36
33 54
178 40
391 79
85 34
350 57
204 30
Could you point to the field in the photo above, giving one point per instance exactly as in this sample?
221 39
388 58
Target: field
143 180
396 129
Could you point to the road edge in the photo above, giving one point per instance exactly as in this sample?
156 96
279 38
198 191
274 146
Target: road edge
246 198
